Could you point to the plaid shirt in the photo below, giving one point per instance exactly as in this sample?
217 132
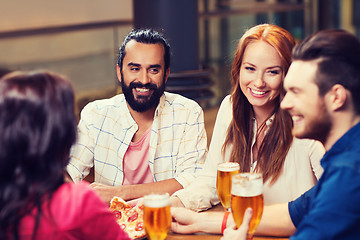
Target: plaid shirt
178 143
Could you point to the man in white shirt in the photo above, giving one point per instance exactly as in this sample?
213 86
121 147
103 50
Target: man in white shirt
144 140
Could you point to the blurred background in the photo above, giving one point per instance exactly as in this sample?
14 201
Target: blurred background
80 39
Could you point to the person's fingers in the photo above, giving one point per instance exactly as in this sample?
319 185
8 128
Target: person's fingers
92 184
184 229
232 233
174 212
183 222
229 229
95 185
179 213
176 202
247 217
234 227
137 201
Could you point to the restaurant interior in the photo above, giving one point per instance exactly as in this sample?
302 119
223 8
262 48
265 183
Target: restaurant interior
80 39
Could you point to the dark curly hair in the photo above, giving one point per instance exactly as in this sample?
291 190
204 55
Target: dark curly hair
147 36
38 127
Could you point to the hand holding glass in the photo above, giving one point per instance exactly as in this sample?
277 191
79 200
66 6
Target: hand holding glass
246 191
225 171
157 217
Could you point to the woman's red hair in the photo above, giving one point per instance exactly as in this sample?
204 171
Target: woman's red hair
277 141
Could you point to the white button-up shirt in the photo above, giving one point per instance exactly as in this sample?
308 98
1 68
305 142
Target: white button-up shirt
300 171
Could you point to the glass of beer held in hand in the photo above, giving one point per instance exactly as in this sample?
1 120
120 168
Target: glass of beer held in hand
246 192
157 217
225 171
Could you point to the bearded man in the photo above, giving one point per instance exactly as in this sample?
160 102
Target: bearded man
145 140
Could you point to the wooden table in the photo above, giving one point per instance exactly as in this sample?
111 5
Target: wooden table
208 236
175 236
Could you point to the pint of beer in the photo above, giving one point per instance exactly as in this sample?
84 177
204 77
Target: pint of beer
246 191
223 182
157 217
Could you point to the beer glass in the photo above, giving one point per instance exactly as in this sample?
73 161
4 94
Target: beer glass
225 171
157 217
246 191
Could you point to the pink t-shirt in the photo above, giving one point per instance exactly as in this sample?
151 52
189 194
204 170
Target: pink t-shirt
136 162
76 212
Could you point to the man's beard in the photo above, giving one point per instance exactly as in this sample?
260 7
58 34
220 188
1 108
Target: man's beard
319 130
142 104
318 127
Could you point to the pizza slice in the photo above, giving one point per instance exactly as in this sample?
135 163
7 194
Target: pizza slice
129 218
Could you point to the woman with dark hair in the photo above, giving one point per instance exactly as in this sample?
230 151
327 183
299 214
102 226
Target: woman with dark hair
253 130
37 129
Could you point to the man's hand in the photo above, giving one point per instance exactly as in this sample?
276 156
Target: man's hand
105 192
186 221
231 233
176 202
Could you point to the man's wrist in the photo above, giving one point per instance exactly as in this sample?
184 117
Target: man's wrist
122 191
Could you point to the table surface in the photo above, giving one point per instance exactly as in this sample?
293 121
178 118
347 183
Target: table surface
205 236
174 236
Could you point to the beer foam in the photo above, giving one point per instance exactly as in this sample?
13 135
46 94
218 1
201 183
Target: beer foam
156 200
247 185
228 167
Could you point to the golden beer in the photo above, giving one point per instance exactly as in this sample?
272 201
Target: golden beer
223 182
246 192
157 217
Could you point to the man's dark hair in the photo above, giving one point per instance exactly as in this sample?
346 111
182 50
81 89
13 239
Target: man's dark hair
338 56
147 36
